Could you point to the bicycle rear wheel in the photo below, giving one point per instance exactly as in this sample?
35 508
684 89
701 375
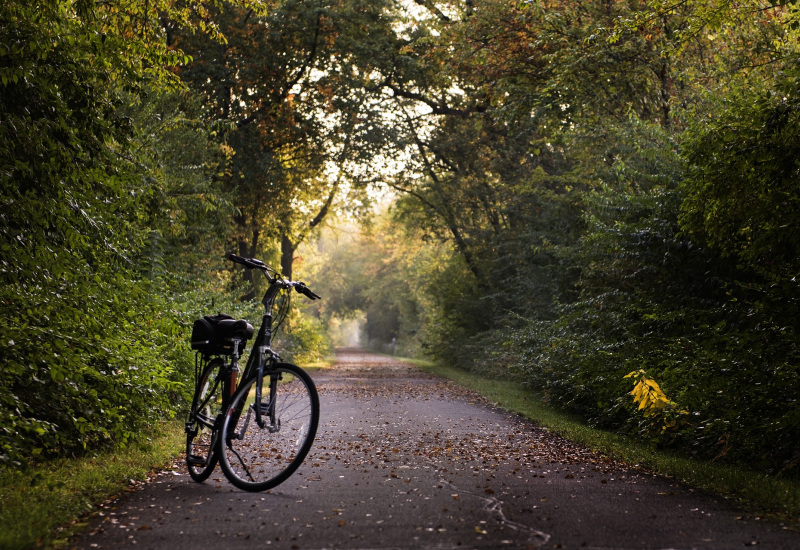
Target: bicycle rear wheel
201 436
257 458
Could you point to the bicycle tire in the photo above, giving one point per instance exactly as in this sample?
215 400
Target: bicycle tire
201 436
257 458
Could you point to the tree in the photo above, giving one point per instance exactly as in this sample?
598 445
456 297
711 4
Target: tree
742 193
286 85
184 209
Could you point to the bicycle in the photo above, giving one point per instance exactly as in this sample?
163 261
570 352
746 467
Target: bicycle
259 435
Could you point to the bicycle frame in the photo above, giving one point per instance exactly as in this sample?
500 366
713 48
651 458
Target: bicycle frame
262 356
262 351
226 376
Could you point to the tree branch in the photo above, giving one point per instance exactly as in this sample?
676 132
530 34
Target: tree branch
433 9
443 209
437 108
297 76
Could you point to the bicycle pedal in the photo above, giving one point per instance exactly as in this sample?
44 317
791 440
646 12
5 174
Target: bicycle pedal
194 460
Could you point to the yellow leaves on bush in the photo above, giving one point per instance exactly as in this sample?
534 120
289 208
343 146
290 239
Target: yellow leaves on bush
647 394
653 402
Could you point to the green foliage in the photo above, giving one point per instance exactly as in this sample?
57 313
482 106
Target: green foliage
79 377
185 210
743 193
93 344
380 273
597 231
650 298
303 338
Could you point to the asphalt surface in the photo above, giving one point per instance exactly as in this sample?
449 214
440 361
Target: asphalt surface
406 460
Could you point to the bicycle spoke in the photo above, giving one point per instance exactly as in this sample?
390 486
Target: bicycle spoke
201 433
240 434
241 461
264 456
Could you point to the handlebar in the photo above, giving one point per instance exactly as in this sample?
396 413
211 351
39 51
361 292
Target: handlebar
305 291
253 263
249 263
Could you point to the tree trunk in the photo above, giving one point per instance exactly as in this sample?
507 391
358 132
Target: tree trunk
287 256
248 250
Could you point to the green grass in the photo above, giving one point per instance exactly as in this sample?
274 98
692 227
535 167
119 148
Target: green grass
314 366
758 492
42 506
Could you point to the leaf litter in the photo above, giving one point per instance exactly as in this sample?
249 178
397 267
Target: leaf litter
400 426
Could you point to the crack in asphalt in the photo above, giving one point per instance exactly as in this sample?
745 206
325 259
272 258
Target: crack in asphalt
494 506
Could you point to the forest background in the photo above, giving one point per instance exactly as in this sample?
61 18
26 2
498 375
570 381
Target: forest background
596 198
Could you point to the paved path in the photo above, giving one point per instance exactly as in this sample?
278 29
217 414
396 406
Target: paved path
406 460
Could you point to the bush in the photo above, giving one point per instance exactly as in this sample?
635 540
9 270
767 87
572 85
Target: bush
78 377
304 338
651 299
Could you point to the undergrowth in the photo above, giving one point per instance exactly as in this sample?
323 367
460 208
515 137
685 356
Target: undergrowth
41 506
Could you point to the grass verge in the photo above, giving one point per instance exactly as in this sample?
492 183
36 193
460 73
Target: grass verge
314 366
760 493
37 504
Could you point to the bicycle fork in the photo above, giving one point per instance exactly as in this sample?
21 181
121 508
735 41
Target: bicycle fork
259 409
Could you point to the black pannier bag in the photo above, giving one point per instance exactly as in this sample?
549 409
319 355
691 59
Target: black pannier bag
212 334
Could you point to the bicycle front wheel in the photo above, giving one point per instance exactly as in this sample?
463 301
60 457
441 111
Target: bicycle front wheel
257 457
201 436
